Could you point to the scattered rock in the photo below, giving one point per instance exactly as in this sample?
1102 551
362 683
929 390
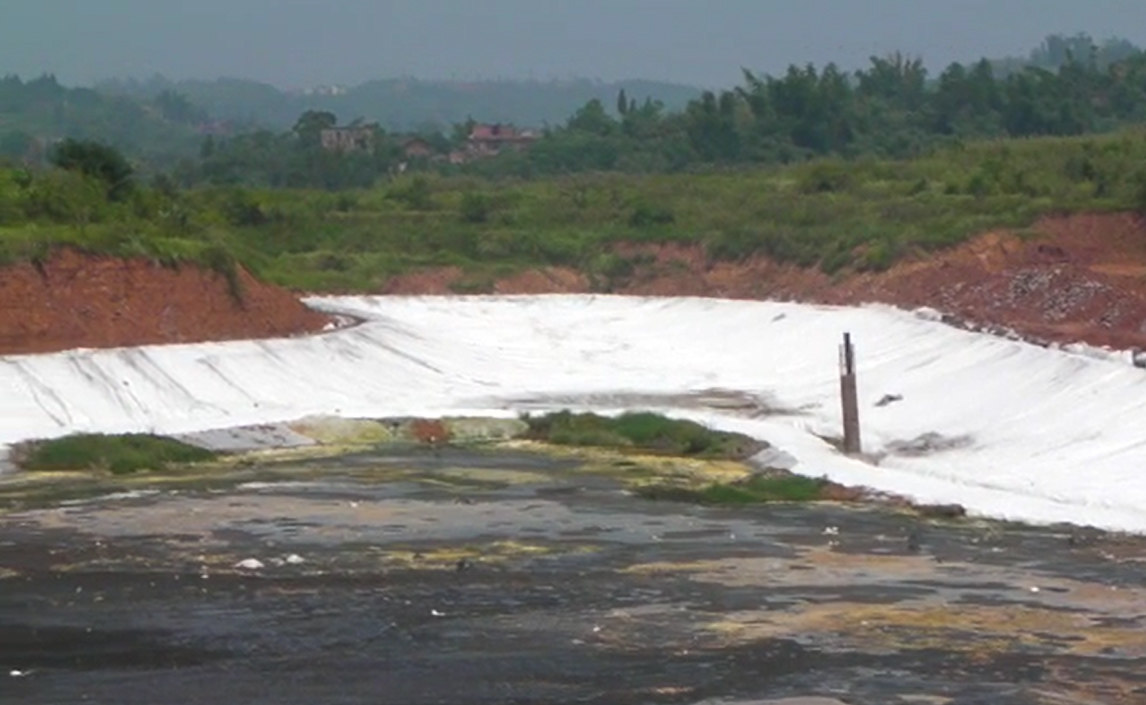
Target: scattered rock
941 511
889 399
927 444
914 541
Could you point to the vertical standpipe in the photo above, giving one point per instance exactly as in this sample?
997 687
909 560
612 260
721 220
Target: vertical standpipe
849 397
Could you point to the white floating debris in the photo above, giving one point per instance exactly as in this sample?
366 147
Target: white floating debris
15 673
250 564
831 531
1034 588
436 613
294 559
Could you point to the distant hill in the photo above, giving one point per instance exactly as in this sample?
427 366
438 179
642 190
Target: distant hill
1057 50
36 113
404 104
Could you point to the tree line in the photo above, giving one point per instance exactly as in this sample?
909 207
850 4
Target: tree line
892 108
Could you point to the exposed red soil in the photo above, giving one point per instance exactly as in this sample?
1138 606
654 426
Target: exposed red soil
74 300
1078 279
430 431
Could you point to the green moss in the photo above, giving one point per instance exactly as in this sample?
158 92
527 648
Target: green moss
120 454
755 490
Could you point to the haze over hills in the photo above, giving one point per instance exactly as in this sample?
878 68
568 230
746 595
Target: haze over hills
417 65
302 43
162 122
403 103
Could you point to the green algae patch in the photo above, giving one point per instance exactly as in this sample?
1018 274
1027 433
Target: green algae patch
752 490
482 477
963 628
335 431
484 430
638 470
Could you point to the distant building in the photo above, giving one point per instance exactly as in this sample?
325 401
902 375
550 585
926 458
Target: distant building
348 139
417 148
325 90
491 140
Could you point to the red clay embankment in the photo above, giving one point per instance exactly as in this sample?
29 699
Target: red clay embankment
75 300
1078 278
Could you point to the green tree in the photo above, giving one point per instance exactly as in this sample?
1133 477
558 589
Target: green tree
98 161
622 103
310 125
593 119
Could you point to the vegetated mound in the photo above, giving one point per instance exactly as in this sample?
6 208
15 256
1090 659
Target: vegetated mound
73 300
641 431
118 454
1078 278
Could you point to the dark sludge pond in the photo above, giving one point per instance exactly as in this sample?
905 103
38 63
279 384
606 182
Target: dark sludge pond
452 576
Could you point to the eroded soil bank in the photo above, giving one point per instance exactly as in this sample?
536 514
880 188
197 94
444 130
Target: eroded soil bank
440 574
74 300
1068 279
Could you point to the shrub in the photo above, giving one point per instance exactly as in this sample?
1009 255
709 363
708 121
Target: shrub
826 177
475 207
645 215
415 195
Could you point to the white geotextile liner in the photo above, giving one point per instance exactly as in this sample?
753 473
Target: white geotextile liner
1024 432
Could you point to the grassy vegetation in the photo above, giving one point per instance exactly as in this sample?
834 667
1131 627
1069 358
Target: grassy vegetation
642 431
755 490
120 454
832 214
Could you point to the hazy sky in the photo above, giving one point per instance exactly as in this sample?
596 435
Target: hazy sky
297 43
